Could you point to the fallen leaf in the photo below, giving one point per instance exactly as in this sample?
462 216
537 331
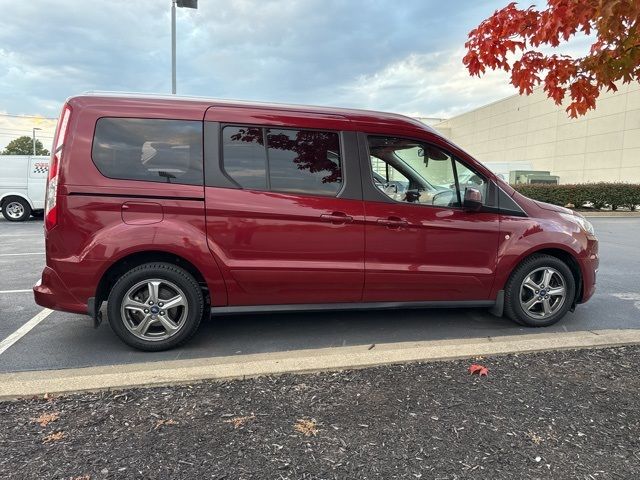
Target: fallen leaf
306 427
238 422
535 438
161 423
54 437
477 369
46 418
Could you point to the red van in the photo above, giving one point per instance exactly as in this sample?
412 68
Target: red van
171 209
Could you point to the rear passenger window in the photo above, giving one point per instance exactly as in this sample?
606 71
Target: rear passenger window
245 158
304 161
152 150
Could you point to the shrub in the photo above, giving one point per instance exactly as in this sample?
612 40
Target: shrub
613 194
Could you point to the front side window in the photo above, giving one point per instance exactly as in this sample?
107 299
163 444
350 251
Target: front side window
302 161
152 150
469 178
425 175
388 179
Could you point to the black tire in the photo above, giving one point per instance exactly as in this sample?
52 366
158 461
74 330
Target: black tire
174 276
16 209
514 287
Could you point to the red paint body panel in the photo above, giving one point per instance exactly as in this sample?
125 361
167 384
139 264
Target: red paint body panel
441 254
545 230
91 236
256 247
275 248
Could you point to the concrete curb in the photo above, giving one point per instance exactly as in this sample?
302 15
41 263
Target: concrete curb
610 214
27 384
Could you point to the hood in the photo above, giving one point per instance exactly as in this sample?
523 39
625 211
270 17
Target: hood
552 208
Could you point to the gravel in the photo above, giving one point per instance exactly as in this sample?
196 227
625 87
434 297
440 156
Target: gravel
569 414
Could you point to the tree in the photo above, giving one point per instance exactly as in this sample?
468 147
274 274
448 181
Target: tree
511 38
24 146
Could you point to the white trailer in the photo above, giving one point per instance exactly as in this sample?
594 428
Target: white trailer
23 180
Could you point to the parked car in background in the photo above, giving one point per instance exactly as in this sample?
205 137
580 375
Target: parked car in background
22 186
171 209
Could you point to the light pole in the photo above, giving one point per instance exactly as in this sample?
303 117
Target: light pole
177 3
34 139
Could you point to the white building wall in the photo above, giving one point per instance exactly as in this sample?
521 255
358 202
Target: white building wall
603 145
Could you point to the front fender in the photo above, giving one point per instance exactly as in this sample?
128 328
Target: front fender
523 237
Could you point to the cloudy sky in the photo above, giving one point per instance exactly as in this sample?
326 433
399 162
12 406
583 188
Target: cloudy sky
396 55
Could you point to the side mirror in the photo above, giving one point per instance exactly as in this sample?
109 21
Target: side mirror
472 199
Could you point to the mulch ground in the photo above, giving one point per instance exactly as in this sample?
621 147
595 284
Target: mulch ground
572 414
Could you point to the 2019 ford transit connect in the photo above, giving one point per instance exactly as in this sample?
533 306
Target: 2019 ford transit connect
171 208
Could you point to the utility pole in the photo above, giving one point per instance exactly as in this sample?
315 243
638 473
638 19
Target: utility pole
33 136
173 47
177 3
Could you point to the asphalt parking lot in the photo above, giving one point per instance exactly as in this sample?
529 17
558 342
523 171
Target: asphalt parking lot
63 340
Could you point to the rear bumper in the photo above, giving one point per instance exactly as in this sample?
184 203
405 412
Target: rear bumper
51 292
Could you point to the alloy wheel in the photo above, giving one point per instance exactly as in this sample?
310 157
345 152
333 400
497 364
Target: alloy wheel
543 292
154 309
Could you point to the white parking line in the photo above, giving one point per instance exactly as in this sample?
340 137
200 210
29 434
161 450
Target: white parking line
633 296
23 235
17 291
23 330
19 254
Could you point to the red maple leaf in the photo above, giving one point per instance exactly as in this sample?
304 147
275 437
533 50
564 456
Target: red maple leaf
480 370
520 41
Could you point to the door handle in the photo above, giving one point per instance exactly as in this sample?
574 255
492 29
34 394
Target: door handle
336 218
393 222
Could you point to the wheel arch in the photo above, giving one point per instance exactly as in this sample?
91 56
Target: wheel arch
132 260
563 255
7 195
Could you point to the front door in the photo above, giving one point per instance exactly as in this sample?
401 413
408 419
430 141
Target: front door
281 221
421 245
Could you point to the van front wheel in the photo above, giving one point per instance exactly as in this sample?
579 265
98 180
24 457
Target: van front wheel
540 291
155 306
16 209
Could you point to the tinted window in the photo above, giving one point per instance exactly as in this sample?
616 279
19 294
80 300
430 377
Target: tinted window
153 150
304 161
244 156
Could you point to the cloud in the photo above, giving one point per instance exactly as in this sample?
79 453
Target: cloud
380 54
425 85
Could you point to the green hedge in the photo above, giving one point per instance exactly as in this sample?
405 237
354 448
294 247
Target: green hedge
601 195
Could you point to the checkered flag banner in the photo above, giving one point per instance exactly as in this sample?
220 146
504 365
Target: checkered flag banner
40 167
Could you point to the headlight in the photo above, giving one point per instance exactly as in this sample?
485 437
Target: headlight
583 222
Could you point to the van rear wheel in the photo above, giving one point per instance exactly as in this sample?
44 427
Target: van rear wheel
16 209
155 306
540 291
